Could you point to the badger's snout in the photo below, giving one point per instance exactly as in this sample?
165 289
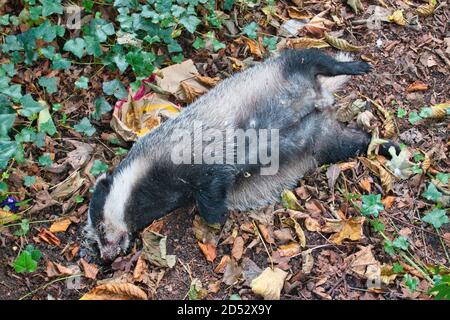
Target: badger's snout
109 252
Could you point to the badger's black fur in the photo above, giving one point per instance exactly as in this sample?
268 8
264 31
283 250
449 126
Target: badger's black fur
291 93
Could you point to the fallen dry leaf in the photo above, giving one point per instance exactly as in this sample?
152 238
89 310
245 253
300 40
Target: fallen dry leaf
382 173
220 268
289 250
398 18
191 92
232 273
365 183
254 47
306 43
307 261
60 225
426 10
341 44
342 229
417 86
90 270
49 237
238 248
299 232
266 233
115 291
269 283
155 251
209 250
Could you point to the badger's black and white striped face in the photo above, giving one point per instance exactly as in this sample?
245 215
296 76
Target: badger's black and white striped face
106 224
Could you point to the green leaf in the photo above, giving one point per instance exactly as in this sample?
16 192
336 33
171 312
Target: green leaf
270 43
28 181
29 106
411 282
371 205
45 160
101 106
49 84
401 243
389 247
45 122
50 7
27 260
116 88
401 113
75 46
443 177
120 62
78 199
24 228
85 127
93 47
414 118
235 297
199 43
98 168
14 91
436 217
82 83
174 47
397 268
377 225
432 193
58 62
441 288
425 112
228 4
250 30
9 69
190 23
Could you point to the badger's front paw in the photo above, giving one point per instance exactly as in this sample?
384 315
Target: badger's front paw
360 67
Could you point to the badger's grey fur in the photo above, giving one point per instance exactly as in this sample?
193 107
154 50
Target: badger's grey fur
283 93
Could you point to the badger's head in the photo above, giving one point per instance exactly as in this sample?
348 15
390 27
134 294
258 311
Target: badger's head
106 225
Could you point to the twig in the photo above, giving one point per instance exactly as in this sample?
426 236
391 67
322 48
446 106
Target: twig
264 243
48 284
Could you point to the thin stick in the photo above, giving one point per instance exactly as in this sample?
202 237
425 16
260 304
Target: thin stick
264 243
48 284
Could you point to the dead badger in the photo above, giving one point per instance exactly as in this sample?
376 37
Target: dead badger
281 104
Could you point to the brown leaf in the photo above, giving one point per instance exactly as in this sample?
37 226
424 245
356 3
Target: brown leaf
363 263
60 225
191 92
289 250
283 235
312 224
209 250
299 232
347 165
254 47
307 261
207 81
298 14
115 291
232 273
365 183
266 232
49 237
383 174
388 201
220 268
90 270
238 248
417 86
440 111
332 175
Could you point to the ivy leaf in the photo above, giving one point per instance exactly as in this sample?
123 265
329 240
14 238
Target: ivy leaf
75 46
50 7
98 167
49 84
389 247
93 47
24 228
27 260
58 62
199 43
250 30
120 62
8 149
45 160
425 112
190 22
116 88
397 268
29 106
436 217
85 127
228 4
14 91
101 106
28 181
414 118
270 43
432 193
401 243
9 69
443 177
82 83
411 282
45 122
371 205
401 113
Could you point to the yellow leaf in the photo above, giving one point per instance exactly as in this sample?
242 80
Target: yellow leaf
289 250
116 291
426 10
300 233
439 111
398 18
382 173
60 225
7 217
341 44
344 229
289 200
254 47
269 283
306 43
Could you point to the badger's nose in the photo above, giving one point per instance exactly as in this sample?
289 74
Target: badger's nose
109 254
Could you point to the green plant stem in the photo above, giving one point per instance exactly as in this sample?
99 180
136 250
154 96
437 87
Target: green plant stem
48 284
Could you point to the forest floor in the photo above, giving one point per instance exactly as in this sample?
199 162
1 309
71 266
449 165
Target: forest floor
353 230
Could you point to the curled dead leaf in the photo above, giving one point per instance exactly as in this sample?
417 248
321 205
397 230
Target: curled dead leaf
207 81
269 283
398 18
289 250
417 86
384 175
426 10
440 111
341 44
60 225
299 232
238 248
116 291
306 43
254 47
191 93
90 270
220 268
49 237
